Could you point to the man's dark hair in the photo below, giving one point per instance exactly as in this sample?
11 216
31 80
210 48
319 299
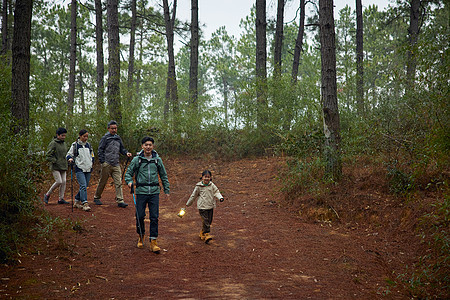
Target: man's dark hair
112 122
60 131
146 139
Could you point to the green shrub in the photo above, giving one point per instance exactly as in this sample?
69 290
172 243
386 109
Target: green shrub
400 182
18 182
430 278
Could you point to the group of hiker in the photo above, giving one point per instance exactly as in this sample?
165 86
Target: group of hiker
147 168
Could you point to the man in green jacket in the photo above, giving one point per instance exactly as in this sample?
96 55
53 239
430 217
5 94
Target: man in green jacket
56 156
146 167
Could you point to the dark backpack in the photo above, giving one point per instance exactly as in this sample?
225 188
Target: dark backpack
78 146
145 162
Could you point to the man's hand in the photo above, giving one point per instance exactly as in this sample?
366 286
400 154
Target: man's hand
130 184
129 154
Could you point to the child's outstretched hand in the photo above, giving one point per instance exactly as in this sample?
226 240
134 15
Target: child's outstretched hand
221 199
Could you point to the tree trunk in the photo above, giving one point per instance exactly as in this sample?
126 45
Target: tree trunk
100 61
82 102
298 42
20 81
193 70
331 121
359 59
114 105
73 59
225 99
261 61
131 53
141 54
295 65
4 48
413 36
171 90
278 39
80 81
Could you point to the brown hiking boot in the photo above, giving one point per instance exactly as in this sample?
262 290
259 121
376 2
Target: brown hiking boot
140 243
207 238
154 246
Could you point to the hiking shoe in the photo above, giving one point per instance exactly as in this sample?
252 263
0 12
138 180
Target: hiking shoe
62 201
208 238
122 204
78 204
201 236
98 202
154 246
140 243
86 207
46 197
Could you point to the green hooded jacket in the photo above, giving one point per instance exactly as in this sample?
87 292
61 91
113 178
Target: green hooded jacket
146 172
56 155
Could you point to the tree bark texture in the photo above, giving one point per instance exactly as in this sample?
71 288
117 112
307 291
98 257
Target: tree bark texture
4 48
82 102
413 31
193 69
261 62
299 42
331 121
80 82
141 55
20 81
225 99
114 103
100 60
131 51
72 57
278 39
359 58
171 90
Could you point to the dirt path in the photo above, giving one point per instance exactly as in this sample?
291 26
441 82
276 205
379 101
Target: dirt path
260 250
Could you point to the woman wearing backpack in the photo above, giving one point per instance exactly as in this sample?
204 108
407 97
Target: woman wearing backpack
82 154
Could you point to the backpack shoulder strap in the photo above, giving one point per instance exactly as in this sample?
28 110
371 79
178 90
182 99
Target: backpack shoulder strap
75 149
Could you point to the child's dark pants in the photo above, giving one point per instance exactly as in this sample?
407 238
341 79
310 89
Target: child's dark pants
153 209
207 217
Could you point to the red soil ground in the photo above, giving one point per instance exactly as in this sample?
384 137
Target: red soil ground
263 248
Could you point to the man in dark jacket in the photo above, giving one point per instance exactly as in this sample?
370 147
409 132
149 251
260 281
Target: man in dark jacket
109 148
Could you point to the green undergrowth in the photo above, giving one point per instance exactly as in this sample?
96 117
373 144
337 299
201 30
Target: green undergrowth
318 200
430 276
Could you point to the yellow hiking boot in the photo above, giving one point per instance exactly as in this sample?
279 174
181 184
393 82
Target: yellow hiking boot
201 236
140 243
207 238
154 246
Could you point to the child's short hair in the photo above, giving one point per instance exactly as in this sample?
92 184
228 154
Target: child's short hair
207 172
146 139
112 122
60 131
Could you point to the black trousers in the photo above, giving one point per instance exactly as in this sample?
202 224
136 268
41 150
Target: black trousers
153 208
207 217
